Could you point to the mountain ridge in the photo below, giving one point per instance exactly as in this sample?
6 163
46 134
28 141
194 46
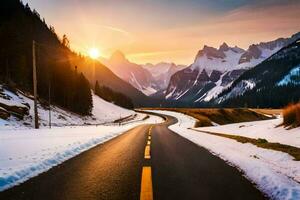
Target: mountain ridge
223 66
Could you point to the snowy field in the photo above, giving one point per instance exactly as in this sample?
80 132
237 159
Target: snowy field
266 129
27 153
275 173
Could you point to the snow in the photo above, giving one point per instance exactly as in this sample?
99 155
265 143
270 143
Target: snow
103 112
229 63
215 91
266 53
171 93
27 153
275 173
295 72
158 69
266 129
13 101
240 89
181 94
146 90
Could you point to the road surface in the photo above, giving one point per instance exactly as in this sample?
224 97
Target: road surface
145 162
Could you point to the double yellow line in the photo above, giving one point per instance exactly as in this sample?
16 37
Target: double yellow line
146 183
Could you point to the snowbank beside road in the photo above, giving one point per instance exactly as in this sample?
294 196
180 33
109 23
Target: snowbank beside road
275 173
27 153
266 129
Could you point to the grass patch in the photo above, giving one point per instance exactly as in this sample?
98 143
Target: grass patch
262 143
263 111
291 116
222 116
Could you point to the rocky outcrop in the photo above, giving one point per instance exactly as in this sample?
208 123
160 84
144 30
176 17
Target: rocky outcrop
253 53
231 76
211 53
4 114
17 111
215 76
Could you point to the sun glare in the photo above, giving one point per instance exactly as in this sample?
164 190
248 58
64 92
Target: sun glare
94 53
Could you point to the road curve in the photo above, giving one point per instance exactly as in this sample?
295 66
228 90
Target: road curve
113 170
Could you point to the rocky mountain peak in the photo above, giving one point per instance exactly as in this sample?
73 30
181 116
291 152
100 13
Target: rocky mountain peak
252 52
224 47
210 52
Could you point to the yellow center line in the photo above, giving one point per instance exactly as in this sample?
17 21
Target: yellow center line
147 152
146 184
150 129
149 137
148 143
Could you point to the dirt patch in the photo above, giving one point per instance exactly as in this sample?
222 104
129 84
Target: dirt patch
221 116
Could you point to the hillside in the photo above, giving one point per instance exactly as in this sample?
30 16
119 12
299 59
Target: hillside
19 26
130 72
57 65
16 112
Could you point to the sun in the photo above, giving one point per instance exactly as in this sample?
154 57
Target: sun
94 53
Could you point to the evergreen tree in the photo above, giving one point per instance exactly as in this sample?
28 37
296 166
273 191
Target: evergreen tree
114 97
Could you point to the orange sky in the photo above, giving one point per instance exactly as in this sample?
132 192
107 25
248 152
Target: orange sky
158 31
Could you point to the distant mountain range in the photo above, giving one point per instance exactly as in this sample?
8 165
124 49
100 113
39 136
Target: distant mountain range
149 79
216 69
217 76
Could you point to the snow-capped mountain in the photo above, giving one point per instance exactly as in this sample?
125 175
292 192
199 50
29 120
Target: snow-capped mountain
162 73
215 69
273 83
134 74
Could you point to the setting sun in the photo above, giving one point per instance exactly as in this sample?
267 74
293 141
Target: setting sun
94 53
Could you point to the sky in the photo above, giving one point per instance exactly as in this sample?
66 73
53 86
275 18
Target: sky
151 31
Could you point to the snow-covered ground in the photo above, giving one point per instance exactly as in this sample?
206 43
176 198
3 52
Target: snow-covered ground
275 173
266 129
102 112
27 153
291 77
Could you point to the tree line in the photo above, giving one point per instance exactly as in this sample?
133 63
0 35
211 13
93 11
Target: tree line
114 97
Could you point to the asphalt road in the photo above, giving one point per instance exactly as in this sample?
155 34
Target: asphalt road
113 170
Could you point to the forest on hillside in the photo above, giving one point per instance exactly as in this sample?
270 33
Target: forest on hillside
62 73
19 26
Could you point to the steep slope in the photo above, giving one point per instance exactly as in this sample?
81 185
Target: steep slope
19 27
16 111
57 65
130 72
96 71
215 69
273 83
